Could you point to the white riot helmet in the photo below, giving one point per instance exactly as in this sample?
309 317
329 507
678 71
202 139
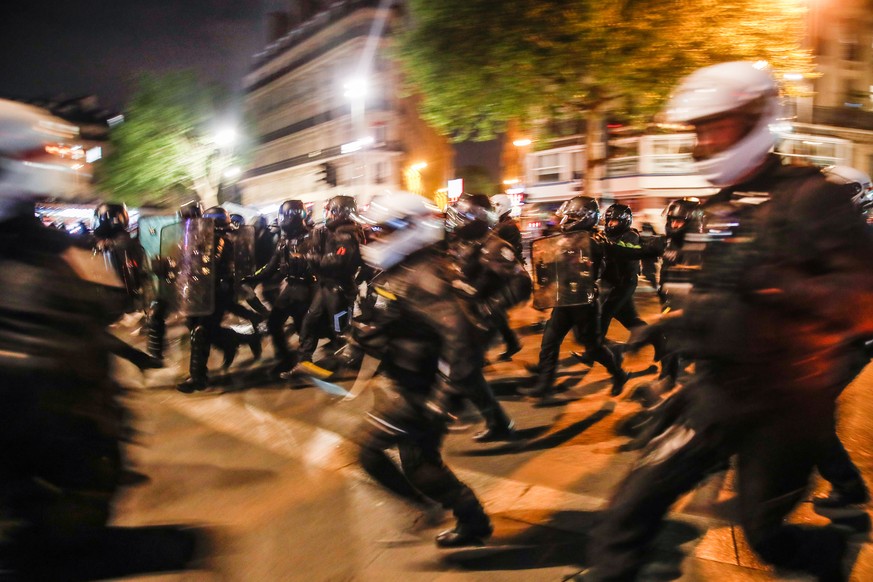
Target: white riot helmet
863 197
501 205
718 90
401 223
27 170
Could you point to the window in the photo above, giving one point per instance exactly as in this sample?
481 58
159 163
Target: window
380 132
809 149
547 169
671 154
623 157
578 163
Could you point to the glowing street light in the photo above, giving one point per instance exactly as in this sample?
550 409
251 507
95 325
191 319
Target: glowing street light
355 89
418 167
225 137
523 142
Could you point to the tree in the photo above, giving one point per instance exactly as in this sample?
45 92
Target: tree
480 64
166 150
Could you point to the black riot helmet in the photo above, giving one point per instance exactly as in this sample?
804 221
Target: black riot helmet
193 209
679 214
220 216
260 224
470 217
292 217
109 219
339 210
237 220
579 213
618 219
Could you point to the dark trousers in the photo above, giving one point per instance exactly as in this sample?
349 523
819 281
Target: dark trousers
422 474
650 271
620 306
586 320
331 310
500 319
775 456
207 331
292 302
837 468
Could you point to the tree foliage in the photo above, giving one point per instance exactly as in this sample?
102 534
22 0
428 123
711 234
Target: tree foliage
165 152
481 63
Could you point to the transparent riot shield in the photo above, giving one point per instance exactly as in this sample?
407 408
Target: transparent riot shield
149 228
187 251
563 273
243 253
125 257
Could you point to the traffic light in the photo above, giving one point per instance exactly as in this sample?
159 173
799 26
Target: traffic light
328 174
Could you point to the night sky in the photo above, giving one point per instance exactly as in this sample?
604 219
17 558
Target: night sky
83 47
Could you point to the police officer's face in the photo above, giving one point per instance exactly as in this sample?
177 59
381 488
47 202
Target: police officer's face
676 223
716 135
612 223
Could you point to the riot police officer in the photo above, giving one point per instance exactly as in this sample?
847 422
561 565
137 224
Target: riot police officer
508 230
207 330
579 215
765 324
621 275
237 221
430 352
470 241
289 260
60 423
335 258
265 248
110 236
506 227
156 316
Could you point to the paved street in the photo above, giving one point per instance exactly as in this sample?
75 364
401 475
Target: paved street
272 468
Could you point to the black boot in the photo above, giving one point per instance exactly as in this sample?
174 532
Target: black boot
511 350
157 331
842 501
199 358
191 385
583 357
464 535
496 433
230 354
619 379
255 345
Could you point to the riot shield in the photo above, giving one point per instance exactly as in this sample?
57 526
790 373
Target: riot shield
243 253
187 249
563 273
125 257
149 228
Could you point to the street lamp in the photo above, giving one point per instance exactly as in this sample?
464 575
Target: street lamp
414 183
225 137
521 145
356 90
222 156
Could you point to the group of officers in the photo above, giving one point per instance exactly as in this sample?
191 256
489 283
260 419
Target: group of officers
769 316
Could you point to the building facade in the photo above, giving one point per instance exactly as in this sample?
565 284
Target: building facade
834 127
323 103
